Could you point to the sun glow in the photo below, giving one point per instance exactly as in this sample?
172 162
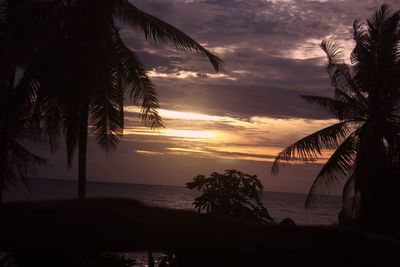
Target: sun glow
222 137
149 153
186 134
194 150
193 134
183 115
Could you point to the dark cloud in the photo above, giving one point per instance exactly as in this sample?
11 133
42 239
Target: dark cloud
259 38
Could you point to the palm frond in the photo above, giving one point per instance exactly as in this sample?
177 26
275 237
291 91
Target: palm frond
310 147
28 86
341 110
337 168
3 11
334 52
363 45
374 55
359 30
381 17
137 84
396 52
8 176
162 32
363 65
50 117
341 79
105 114
23 162
46 114
393 142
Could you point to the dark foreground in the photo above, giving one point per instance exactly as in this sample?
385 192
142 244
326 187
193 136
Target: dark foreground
57 229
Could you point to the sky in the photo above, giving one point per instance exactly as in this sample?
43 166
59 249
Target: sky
241 117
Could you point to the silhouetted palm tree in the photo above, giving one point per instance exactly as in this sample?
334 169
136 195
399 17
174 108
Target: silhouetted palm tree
366 140
82 69
16 124
16 161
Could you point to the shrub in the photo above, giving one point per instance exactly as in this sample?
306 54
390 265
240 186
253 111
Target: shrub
233 193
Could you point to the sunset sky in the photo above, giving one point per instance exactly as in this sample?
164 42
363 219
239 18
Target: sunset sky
241 117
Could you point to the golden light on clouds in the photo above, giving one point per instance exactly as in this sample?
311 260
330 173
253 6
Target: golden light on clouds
250 150
310 48
184 74
307 50
171 114
184 134
222 51
193 150
192 134
149 153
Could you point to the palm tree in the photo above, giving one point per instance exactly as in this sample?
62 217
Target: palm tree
16 124
81 69
16 128
365 140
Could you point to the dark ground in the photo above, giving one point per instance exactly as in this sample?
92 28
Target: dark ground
52 231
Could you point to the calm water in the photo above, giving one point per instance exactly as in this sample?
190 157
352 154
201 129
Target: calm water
279 205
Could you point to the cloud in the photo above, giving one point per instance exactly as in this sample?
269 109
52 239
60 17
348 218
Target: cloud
270 48
221 137
149 153
181 74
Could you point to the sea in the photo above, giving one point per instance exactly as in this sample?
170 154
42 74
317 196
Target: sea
279 204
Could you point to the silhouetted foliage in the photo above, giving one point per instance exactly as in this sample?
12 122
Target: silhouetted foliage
365 141
104 260
233 193
287 222
81 68
16 124
67 259
16 161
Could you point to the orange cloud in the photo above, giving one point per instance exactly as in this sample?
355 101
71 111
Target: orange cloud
225 137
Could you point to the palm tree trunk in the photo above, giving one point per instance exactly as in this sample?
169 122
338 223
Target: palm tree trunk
376 187
3 156
1 189
9 90
83 132
3 159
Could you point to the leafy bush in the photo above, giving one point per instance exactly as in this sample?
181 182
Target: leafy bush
233 193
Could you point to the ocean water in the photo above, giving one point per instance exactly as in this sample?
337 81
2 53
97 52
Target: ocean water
279 205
